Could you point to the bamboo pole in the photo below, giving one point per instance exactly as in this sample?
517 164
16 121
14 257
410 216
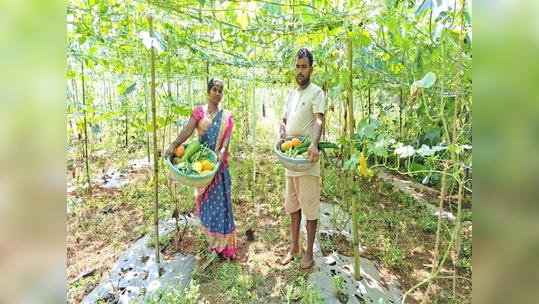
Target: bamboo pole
155 163
144 67
254 125
87 162
353 189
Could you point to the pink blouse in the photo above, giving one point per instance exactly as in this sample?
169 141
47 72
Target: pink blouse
204 120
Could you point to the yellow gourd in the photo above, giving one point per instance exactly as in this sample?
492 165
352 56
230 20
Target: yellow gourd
209 166
197 166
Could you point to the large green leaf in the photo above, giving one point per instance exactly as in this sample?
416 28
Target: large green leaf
428 151
368 131
362 124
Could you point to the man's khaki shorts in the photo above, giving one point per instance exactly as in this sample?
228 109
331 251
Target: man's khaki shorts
303 192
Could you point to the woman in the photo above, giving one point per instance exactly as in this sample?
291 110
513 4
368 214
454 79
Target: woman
214 127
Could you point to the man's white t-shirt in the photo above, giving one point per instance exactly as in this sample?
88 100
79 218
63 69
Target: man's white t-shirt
299 113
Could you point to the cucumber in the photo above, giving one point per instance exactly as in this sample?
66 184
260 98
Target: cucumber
190 151
306 143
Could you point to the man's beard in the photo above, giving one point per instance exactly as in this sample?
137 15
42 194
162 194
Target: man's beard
304 81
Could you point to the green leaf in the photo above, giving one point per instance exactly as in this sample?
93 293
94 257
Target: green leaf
353 162
427 5
375 122
149 128
242 19
82 39
364 38
131 88
416 167
427 151
336 91
362 124
432 134
202 2
368 131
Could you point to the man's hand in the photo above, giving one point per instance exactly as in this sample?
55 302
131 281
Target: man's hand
282 129
170 151
312 153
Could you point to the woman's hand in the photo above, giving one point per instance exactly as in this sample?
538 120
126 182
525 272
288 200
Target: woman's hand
220 157
170 151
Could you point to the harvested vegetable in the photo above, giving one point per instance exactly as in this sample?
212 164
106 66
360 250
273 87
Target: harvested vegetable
179 151
191 150
197 166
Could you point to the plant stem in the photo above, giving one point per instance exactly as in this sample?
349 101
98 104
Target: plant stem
437 243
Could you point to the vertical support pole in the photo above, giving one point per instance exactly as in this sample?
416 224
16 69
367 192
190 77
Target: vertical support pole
353 189
155 162
254 124
87 161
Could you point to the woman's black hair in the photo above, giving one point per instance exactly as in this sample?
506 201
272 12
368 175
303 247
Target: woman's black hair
213 81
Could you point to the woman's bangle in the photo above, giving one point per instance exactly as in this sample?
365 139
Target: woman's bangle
177 143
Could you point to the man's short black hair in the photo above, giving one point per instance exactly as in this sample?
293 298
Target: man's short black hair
213 81
302 53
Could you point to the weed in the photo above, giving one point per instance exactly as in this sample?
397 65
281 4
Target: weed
428 222
391 256
164 240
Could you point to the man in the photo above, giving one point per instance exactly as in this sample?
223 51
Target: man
304 115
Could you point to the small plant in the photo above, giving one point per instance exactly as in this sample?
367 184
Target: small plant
338 283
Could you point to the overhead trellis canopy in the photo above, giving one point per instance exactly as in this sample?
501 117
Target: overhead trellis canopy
265 35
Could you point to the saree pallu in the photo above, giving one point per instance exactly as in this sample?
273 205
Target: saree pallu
213 201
